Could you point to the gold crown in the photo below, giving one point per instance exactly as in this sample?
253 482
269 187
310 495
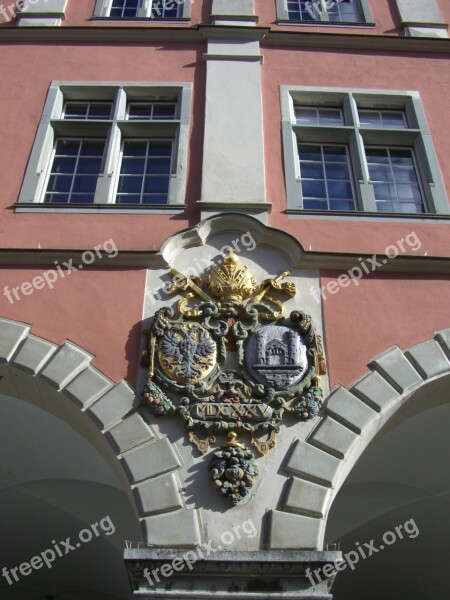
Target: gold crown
229 281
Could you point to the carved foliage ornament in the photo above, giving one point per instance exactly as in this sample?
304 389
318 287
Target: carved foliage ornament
278 363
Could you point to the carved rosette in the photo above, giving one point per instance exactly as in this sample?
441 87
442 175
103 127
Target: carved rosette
280 362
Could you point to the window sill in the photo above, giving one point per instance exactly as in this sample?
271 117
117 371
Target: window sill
142 19
297 213
130 209
346 24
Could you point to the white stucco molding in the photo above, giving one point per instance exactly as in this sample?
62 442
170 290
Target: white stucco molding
236 223
352 418
61 380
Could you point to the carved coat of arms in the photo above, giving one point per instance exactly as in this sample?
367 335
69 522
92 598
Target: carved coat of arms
229 363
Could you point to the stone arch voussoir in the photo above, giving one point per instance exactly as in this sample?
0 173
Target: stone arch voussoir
319 465
62 380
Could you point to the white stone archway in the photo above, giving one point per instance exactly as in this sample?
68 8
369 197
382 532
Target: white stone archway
352 418
61 380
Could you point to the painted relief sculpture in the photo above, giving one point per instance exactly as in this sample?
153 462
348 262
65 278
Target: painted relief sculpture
230 364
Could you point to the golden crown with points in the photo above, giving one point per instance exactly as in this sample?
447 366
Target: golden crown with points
229 281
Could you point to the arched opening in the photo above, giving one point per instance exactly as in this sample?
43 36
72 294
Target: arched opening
62 502
391 513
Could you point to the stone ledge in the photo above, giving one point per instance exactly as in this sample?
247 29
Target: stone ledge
67 362
306 498
177 529
155 459
311 463
88 386
34 353
333 437
159 495
428 359
133 431
375 391
12 333
443 338
396 369
113 405
289 531
349 410
254 575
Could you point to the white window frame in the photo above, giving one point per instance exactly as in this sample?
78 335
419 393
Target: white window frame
114 131
416 137
323 18
103 8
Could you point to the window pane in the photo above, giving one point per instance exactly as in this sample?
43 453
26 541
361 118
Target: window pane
145 170
160 148
156 184
380 173
306 115
369 118
319 116
312 170
59 183
76 110
84 183
135 149
303 10
342 205
340 189
404 188
158 165
67 147
124 8
152 111
310 152
330 116
164 10
133 166
88 110
74 171
337 171
335 153
314 189
93 149
315 204
345 11
64 165
129 184
154 199
383 118
393 119
326 177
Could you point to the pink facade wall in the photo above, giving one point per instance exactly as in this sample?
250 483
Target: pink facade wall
384 15
383 310
101 309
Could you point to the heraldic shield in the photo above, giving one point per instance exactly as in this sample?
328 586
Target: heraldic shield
276 368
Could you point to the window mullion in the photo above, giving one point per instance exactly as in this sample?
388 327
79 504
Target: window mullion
145 8
324 16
